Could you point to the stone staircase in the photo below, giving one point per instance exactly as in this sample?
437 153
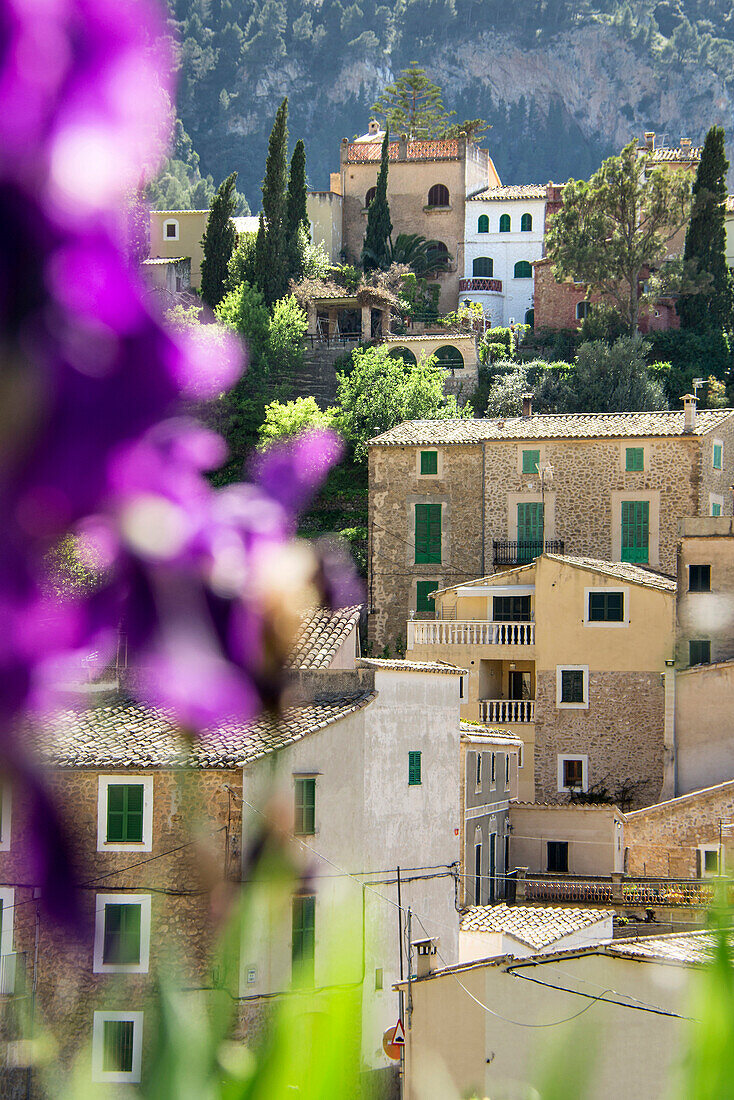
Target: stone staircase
317 378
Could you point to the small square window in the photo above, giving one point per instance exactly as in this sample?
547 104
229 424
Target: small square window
378 978
708 861
414 769
305 808
171 228
606 607
699 652
530 462
117 1041
429 462
424 603
125 813
718 455
572 686
573 773
715 508
122 933
699 578
558 856
635 458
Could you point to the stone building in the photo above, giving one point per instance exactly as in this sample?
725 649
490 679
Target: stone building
691 836
569 655
452 500
503 235
428 182
178 233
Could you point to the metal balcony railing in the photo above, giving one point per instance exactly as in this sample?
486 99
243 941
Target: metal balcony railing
493 286
505 711
521 552
469 632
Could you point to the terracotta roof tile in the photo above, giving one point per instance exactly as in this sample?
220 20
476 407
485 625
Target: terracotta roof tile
320 636
620 570
536 925
124 735
509 192
410 666
623 425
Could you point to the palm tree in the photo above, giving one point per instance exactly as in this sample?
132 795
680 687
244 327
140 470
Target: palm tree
424 257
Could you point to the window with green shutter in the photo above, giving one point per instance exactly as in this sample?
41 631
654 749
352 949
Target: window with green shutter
121 934
635 459
303 942
414 769
483 224
529 531
718 452
715 508
117 1047
424 603
606 607
124 813
530 462
699 652
505 223
305 816
635 530
572 685
526 223
428 534
429 462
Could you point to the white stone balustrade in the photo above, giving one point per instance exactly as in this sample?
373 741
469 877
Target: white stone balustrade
507 710
469 632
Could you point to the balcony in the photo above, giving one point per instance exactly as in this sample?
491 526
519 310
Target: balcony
493 286
523 552
469 632
506 711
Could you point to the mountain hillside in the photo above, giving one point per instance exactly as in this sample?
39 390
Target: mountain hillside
562 84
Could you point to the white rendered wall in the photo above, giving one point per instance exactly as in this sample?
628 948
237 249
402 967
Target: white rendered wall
505 249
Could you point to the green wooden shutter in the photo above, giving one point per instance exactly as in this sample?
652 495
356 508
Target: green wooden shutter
718 448
635 530
305 824
483 224
529 531
716 509
122 934
117 1046
635 458
414 769
124 812
428 533
424 602
505 224
303 941
526 223
530 462
429 462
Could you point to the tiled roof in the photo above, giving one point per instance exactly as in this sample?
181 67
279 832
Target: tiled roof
410 666
620 570
518 191
688 948
445 335
124 735
320 635
684 156
623 425
164 260
470 732
538 926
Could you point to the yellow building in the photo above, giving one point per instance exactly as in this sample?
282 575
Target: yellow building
178 233
570 654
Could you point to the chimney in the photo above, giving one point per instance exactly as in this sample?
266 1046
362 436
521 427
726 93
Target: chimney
689 412
650 140
686 144
426 951
527 406
374 126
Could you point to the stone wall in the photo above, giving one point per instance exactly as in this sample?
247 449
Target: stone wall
621 732
555 303
707 614
663 840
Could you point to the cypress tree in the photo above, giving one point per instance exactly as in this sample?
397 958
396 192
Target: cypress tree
274 253
218 242
706 240
376 248
296 215
260 264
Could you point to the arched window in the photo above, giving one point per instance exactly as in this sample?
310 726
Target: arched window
523 270
530 318
526 223
370 196
449 358
483 267
438 257
170 230
405 354
505 223
483 224
438 195
583 309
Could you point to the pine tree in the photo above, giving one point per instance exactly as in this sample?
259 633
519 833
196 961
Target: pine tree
274 270
296 214
376 248
218 242
706 240
413 105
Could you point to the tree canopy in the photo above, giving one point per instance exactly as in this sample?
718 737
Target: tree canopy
413 105
272 261
218 242
376 248
612 228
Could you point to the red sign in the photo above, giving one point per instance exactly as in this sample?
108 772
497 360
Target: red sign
393 1041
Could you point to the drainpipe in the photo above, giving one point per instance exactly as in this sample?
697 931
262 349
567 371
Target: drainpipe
670 760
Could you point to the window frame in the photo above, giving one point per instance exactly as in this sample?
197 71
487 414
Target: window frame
177 235
564 758
100 909
583 309
622 590
422 583
481 221
704 850
427 473
556 871
302 779
717 445
716 500
6 816
478 771
560 669
488 274
493 770
415 759
427 555
526 217
439 188
104 783
634 451
116 1077
534 471
698 642
505 223
507 770
699 565
370 195
298 971
529 267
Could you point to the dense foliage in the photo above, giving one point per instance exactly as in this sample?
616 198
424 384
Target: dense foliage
218 243
706 240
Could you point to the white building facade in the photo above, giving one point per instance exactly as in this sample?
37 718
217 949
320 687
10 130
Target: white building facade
503 236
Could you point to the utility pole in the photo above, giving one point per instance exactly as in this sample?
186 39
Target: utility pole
410 967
